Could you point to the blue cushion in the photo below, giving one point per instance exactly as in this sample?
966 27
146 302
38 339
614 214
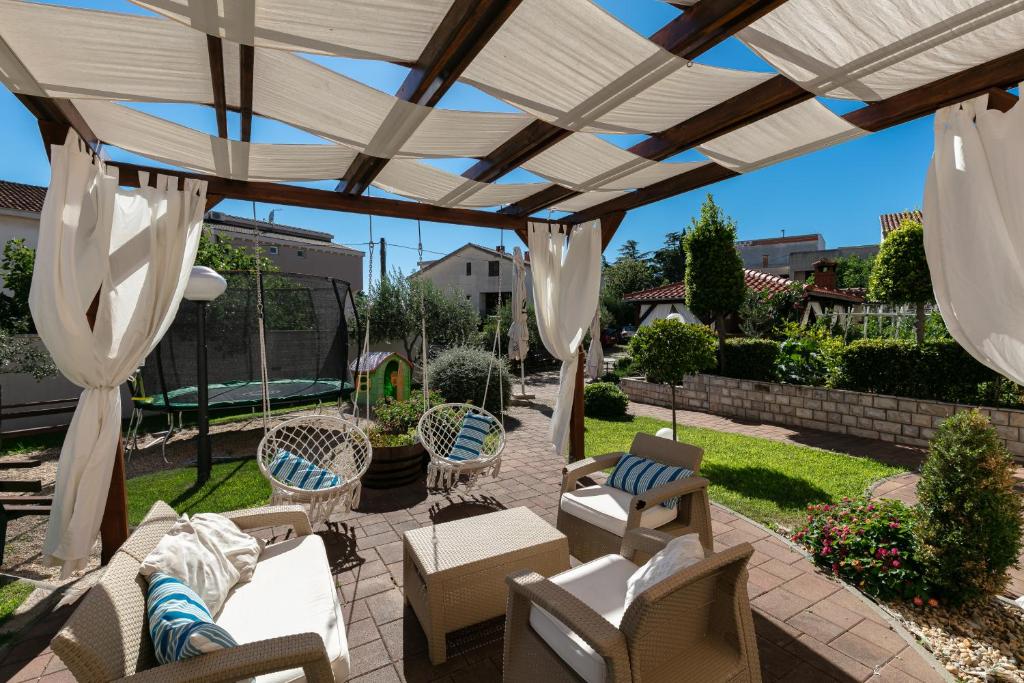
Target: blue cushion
469 442
296 471
636 475
180 625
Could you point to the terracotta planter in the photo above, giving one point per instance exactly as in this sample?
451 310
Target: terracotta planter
394 466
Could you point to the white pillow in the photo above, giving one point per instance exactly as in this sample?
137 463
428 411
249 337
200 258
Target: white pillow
678 554
209 553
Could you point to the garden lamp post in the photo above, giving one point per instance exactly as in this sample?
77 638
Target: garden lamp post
204 285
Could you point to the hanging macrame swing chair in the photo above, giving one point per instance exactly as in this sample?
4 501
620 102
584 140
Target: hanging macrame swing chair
313 460
461 438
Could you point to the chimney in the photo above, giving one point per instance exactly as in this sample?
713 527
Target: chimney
500 249
825 273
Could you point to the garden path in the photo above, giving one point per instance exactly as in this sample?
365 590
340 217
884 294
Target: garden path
809 627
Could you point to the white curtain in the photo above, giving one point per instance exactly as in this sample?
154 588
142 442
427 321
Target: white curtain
566 284
595 353
974 231
134 248
518 331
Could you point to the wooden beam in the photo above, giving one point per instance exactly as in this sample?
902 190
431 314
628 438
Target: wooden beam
56 115
294 195
921 101
463 32
577 430
706 24
609 224
215 51
246 60
521 147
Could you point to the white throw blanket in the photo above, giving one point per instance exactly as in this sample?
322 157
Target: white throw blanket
566 284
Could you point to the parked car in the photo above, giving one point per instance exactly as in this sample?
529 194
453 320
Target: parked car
609 336
627 332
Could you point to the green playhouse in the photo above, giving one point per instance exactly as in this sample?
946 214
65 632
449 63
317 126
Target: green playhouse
384 374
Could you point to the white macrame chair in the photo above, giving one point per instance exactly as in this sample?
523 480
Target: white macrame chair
331 443
437 431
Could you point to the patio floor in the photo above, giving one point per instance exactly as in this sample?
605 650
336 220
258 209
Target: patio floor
809 627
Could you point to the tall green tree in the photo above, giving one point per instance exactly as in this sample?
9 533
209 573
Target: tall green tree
900 275
714 270
620 278
669 262
630 249
854 271
16 267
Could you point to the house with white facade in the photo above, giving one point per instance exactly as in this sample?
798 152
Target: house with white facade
476 272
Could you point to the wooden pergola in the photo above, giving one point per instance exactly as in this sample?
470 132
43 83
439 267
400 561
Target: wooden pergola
463 33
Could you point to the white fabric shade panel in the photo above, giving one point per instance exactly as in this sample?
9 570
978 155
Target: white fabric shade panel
396 30
132 250
873 49
587 200
566 284
583 162
574 65
170 143
798 130
420 181
974 231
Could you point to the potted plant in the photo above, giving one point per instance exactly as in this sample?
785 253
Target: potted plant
398 456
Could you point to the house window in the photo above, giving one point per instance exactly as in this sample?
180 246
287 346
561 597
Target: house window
492 268
469 267
301 253
272 250
764 261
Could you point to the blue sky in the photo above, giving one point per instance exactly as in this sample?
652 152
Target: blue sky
838 192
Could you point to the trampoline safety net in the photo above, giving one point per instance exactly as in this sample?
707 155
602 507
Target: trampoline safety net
306 340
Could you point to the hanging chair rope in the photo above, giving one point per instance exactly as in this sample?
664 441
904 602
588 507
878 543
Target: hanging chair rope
264 377
366 332
423 318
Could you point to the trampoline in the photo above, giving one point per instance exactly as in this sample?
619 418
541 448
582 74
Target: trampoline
306 343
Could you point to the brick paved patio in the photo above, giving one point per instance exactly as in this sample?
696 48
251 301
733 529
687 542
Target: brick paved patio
809 627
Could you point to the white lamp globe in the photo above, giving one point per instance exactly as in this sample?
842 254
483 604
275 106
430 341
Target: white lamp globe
204 284
675 316
664 433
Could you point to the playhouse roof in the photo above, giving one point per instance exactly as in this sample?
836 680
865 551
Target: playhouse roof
368 362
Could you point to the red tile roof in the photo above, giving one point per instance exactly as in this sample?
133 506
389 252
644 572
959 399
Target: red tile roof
891 221
755 279
19 197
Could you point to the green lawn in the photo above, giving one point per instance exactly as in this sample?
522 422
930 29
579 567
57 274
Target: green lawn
232 486
768 481
12 594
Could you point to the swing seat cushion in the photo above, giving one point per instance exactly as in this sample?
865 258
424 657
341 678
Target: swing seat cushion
469 442
296 471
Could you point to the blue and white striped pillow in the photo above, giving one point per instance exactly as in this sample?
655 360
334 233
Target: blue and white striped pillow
635 475
469 442
180 625
296 471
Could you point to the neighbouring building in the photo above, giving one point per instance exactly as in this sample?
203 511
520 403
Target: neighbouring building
658 302
293 250
891 221
801 263
20 206
475 271
771 255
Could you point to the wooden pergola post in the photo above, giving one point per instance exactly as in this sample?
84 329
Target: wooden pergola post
577 430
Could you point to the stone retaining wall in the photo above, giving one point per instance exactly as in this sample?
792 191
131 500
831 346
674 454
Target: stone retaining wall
873 416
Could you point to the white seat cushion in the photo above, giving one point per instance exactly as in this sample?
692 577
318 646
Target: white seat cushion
291 591
607 508
601 584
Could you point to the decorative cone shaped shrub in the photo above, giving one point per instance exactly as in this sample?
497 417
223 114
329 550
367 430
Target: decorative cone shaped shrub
969 531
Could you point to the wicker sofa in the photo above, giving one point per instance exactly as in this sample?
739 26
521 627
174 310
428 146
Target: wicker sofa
596 518
287 630
693 626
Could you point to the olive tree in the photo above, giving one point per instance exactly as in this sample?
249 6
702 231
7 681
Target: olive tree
669 350
900 274
714 270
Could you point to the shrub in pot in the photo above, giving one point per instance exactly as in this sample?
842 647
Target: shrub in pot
460 375
969 532
398 456
604 399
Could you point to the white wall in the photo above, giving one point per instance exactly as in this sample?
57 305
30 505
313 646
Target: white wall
662 311
451 273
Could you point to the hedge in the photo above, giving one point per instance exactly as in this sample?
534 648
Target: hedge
935 370
604 399
749 358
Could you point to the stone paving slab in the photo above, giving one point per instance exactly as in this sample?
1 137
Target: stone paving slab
809 627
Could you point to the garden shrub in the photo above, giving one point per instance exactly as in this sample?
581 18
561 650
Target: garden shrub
807 355
868 544
755 359
460 375
970 526
604 399
397 417
938 370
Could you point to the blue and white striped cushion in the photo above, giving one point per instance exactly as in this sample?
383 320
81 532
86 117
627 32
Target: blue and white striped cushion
635 475
180 625
296 471
469 442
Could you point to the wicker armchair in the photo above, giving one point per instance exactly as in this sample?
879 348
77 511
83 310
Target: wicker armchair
693 626
600 532
107 637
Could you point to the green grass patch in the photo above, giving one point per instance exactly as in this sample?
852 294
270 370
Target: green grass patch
232 486
11 596
768 481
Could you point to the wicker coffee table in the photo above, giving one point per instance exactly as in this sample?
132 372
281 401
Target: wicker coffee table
454 573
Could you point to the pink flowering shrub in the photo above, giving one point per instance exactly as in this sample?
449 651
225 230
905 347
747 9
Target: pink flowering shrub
869 544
